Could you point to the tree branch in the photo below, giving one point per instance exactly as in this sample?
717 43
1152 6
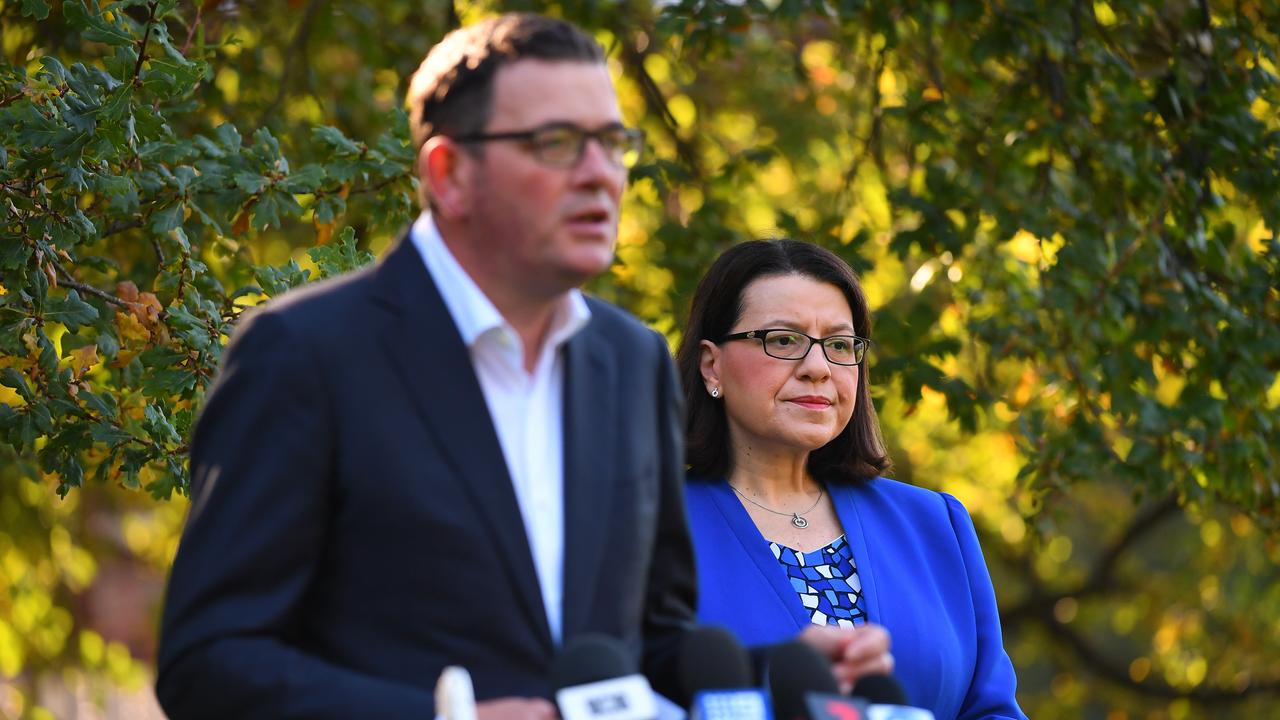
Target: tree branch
70 282
297 47
1103 666
142 45
119 226
1143 522
633 62
191 31
1101 577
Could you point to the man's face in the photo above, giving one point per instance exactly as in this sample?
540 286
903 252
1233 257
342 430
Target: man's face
537 228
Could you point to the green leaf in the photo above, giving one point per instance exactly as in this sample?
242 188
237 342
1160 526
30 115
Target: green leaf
41 416
163 383
273 207
158 426
328 207
334 138
38 9
100 404
96 26
250 182
275 281
71 311
14 254
168 218
228 137
305 180
10 377
340 256
108 434
117 104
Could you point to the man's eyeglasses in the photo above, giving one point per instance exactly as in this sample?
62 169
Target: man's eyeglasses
793 345
561 144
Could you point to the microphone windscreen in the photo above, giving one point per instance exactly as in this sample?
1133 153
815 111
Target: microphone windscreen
881 690
590 658
796 669
711 658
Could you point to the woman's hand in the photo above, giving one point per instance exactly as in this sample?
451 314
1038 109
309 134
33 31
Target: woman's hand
854 652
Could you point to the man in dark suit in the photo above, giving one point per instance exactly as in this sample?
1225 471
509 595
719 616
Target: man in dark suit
453 457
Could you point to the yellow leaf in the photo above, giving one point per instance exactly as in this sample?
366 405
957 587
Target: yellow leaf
83 359
241 224
324 231
131 329
127 291
148 309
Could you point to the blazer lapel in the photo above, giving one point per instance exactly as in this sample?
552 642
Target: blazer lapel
590 398
856 529
756 547
435 365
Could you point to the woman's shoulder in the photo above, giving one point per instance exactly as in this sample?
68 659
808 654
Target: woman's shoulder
698 488
902 495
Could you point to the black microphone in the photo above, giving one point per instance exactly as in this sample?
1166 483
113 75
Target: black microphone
887 699
884 689
716 679
796 671
593 679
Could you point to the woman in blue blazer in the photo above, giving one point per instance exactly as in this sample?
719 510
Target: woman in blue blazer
792 523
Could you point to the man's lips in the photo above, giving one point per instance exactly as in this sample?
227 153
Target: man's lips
590 215
593 223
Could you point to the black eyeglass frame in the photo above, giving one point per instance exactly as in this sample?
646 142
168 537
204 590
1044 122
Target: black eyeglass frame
762 334
634 141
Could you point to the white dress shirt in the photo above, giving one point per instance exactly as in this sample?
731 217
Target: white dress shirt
526 408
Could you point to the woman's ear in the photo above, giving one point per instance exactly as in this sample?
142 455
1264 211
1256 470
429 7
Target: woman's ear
444 168
709 365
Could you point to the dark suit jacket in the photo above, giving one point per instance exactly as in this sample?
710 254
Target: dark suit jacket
353 526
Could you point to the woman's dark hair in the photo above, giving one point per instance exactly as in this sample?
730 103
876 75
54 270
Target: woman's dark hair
858 452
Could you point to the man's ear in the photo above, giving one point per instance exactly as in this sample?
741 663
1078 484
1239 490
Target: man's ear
445 170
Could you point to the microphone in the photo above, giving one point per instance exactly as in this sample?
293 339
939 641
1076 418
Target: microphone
887 700
594 680
803 687
455 696
715 676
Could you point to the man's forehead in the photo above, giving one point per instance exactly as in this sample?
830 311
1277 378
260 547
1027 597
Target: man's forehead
541 91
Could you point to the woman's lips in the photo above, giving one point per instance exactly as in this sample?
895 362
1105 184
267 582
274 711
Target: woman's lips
811 402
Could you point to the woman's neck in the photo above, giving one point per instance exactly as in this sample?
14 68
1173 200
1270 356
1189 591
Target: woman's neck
771 475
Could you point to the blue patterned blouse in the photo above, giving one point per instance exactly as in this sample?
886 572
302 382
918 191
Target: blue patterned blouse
827 582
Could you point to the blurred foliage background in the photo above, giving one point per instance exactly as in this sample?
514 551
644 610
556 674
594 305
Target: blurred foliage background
1064 214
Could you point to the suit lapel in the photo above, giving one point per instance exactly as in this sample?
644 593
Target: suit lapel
435 366
589 431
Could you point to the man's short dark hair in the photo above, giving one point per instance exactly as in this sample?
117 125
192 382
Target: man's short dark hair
452 91
858 452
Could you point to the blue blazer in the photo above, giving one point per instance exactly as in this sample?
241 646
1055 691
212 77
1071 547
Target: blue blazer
923 579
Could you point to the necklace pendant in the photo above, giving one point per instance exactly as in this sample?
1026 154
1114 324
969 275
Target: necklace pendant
799 521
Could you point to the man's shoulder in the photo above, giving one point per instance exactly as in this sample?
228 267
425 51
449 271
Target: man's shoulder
614 321
319 308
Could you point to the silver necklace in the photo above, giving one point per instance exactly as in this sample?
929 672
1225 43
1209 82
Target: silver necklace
797 518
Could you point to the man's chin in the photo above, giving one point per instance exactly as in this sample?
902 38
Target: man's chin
586 265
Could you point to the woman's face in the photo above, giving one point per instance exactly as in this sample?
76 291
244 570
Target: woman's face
784 406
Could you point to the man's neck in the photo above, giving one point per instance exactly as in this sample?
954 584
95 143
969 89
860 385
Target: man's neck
530 315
